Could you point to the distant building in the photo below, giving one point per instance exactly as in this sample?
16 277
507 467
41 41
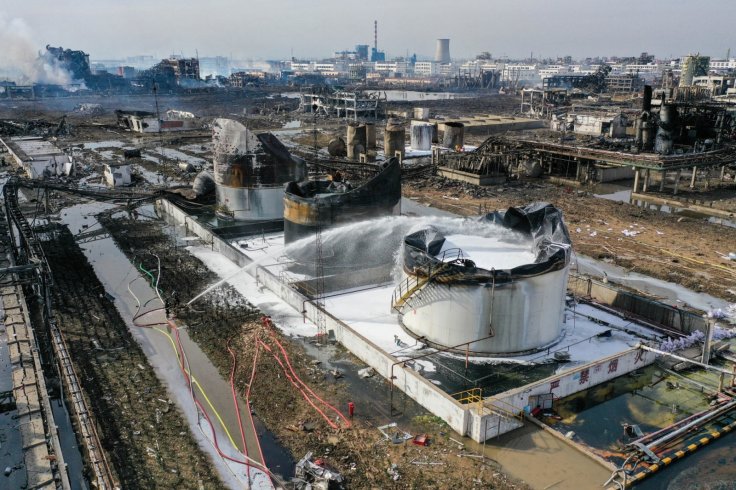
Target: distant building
126 71
723 65
625 83
693 66
392 68
649 70
519 73
356 71
345 55
184 68
361 52
242 79
377 55
564 81
717 84
426 68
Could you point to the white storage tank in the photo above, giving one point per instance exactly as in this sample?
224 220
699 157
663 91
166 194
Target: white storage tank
501 293
421 135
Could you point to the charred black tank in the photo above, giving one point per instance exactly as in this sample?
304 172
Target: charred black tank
332 200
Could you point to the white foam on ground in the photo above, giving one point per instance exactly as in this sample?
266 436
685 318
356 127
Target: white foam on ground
286 318
369 313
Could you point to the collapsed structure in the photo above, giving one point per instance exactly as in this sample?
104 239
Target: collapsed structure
38 157
502 298
664 138
351 105
149 122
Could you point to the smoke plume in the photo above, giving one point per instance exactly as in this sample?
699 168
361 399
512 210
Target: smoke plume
21 62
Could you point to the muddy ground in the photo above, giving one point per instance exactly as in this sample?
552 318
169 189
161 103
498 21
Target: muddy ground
361 453
686 251
146 438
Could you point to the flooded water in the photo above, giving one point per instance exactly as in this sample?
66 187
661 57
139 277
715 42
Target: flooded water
180 156
613 192
68 442
663 208
652 399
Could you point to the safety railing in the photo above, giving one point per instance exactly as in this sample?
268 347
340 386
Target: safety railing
412 284
503 408
471 396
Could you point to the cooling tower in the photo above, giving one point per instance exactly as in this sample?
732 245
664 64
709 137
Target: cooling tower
442 53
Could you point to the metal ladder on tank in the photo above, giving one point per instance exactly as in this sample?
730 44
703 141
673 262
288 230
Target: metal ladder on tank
408 288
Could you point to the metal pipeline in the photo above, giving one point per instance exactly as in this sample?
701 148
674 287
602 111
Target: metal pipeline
705 418
685 359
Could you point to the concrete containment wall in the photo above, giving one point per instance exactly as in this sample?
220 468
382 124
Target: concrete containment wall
560 385
650 310
471 178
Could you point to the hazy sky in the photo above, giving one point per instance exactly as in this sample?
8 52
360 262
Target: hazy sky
315 28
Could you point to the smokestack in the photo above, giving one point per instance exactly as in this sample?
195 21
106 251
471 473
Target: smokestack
646 102
442 53
375 35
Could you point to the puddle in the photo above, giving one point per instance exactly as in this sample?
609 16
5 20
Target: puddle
68 442
179 155
104 144
663 208
613 192
622 193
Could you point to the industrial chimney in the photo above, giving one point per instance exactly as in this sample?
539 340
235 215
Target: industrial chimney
442 53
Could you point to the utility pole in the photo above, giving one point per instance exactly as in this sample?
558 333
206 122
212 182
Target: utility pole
158 117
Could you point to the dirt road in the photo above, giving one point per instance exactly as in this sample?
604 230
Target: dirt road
146 438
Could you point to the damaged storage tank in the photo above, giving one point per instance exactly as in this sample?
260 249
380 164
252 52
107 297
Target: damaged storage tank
329 201
497 287
250 172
